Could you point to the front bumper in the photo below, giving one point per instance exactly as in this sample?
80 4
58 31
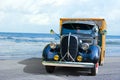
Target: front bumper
68 64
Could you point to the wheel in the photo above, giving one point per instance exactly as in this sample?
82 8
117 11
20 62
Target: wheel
94 70
50 69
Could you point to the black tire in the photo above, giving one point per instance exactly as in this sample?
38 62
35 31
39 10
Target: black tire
94 70
50 69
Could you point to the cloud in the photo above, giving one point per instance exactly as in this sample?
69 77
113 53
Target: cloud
37 11
114 14
48 12
39 19
2 16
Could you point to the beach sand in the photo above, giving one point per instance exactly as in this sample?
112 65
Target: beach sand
32 69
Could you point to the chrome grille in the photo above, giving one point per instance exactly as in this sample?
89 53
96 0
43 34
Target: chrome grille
70 46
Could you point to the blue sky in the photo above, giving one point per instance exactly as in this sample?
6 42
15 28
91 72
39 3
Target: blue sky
39 16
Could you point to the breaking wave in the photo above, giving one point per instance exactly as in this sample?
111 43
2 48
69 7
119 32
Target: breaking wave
22 45
47 39
28 37
113 41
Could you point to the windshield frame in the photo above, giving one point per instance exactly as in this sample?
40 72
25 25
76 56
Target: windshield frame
76 28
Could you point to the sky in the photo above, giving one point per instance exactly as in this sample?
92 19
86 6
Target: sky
39 16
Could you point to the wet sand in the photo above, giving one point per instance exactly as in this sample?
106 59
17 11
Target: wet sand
32 69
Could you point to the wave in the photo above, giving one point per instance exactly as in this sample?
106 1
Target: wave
113 41
47 38
27 39
16 46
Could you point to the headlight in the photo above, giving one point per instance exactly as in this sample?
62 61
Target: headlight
85 46
80 41
52 45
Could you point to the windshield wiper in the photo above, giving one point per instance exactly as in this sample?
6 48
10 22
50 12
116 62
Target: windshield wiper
72 26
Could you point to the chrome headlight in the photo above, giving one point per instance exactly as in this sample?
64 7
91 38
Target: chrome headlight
80 41
52 45
85 46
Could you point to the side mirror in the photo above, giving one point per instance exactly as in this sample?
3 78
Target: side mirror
103 32
52 31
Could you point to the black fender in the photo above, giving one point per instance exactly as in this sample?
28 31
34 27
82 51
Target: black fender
95 53
48 53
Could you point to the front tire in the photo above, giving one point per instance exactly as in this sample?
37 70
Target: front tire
50 69
94 70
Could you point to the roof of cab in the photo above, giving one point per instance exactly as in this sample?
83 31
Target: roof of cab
100 22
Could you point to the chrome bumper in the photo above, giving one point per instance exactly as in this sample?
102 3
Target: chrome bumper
68 64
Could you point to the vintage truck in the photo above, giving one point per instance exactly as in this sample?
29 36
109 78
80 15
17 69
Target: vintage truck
82 44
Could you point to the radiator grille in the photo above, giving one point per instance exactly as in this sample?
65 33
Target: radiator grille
72 47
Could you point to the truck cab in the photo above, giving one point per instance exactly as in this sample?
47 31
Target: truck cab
82 44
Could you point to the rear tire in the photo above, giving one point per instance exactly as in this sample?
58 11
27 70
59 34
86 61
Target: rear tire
94 70
50 69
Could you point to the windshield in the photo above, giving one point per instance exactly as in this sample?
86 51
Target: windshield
76 28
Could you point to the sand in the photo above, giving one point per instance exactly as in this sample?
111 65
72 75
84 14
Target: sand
32 69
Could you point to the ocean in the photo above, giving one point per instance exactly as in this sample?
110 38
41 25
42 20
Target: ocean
28 45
